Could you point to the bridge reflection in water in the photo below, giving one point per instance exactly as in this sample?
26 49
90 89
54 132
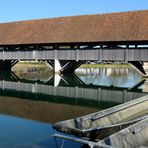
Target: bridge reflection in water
59 97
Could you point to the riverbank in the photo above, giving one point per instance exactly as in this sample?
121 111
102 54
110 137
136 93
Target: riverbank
104 66
28 64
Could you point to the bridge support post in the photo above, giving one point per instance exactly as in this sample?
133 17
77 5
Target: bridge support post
57 66
138 66
145 66
7 64
64 66
69 66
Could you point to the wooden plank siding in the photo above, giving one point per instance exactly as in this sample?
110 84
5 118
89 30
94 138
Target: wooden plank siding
78 54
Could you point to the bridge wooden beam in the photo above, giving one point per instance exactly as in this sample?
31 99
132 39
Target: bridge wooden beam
138 66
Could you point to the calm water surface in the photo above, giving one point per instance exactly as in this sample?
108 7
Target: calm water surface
33 99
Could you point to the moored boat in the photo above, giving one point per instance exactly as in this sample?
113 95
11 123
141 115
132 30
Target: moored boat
99 125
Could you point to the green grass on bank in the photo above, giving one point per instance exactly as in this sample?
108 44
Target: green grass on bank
42 64
27 64
105 65
31 63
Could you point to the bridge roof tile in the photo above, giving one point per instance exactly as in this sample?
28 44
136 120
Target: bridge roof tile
124 26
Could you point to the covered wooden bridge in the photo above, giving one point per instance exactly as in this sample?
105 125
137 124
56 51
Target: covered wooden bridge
67 42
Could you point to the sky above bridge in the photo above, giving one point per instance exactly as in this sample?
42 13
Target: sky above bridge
16 10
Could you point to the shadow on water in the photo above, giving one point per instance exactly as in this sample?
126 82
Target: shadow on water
47 98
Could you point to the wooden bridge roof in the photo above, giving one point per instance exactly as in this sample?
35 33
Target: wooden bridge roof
124 26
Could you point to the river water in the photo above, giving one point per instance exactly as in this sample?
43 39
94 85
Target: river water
31 100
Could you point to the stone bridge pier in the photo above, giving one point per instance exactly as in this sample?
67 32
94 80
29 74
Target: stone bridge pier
64 66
